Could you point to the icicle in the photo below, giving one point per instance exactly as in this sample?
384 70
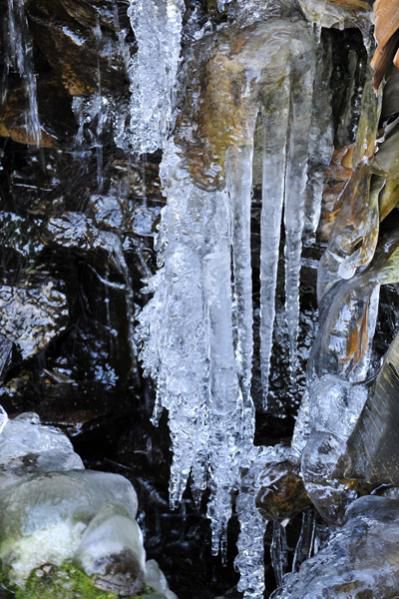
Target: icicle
279 551
239 185
157 25
321 144
176 352
188 333
225 420
3 419
221 4
19 57
305 545
250 559
196 332
294 207
273 189
102 113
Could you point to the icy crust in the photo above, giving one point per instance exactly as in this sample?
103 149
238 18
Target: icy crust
72 528
360 559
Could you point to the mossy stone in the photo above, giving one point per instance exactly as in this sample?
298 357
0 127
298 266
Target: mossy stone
67 582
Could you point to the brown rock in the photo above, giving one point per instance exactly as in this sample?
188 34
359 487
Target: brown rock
282 493
386 35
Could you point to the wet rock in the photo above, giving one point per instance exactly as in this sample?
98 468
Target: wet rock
54 110
282 493
386 27
360 560
75 230
373 445
80 42
67 525
32 317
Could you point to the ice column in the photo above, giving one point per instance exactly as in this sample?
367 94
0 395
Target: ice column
157 25
197 332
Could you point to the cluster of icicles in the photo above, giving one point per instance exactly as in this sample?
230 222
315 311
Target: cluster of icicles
196 332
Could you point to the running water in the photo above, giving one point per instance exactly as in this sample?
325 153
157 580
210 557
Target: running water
19 58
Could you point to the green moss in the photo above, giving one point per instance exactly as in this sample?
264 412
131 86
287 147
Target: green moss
66 582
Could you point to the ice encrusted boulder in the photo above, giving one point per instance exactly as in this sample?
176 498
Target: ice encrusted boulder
359 561
57 515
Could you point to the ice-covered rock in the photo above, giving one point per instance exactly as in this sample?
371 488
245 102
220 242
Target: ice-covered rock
155 579
360 559
281 492
28 447
31 317
44 518
55 514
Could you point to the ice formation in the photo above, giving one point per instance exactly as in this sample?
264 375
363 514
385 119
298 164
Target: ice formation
157 27
3 419
54 511
197 330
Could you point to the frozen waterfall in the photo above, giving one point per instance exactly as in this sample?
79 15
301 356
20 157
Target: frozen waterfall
197 331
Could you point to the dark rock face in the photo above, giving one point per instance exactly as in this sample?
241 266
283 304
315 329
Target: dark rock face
80 42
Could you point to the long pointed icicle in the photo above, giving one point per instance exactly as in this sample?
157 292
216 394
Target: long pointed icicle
250 559
294 207
276 122
239 185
